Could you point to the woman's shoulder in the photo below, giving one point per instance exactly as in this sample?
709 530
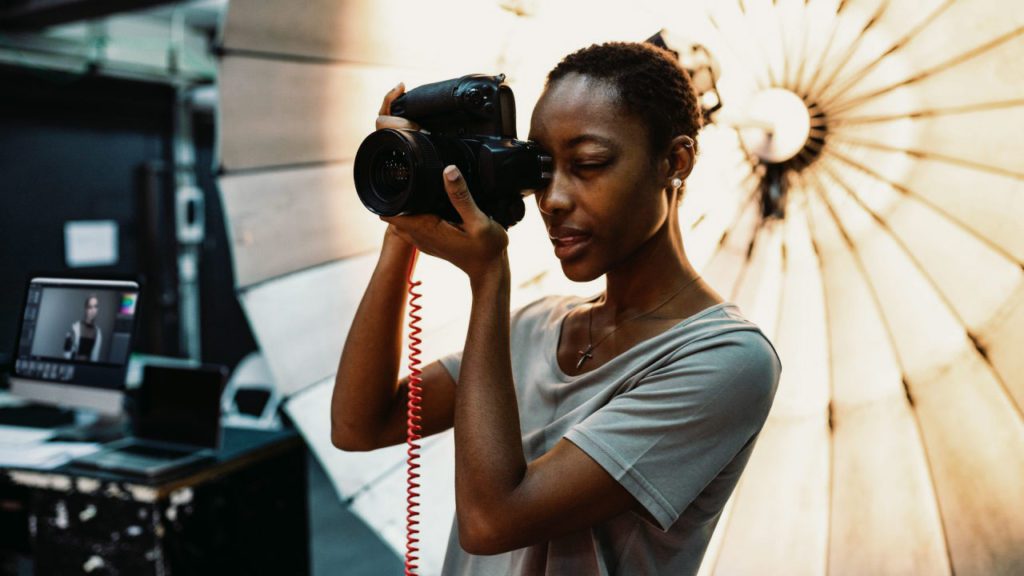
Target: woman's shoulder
724 333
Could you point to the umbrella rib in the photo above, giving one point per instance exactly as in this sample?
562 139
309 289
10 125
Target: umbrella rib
803 50
852 48
739 59
927 155
743 14
773 81
855 254
939 209
808 221
739 164
753 197
931 281
888 229
896 46
927 73
806 185
929 113
824 53
783 44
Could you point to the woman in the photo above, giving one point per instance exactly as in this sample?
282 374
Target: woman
83 340
598 436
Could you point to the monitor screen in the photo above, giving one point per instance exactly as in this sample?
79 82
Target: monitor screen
76 333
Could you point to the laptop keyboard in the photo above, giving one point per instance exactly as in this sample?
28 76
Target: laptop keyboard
153 452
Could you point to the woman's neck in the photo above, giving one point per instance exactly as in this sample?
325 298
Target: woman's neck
658 268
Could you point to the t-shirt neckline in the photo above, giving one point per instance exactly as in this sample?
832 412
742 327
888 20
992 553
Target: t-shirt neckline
552 347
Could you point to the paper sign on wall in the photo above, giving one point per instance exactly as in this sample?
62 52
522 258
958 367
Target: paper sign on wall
90 243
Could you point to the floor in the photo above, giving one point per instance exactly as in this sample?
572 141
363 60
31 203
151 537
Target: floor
340 543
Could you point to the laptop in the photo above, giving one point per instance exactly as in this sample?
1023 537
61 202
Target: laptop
176 424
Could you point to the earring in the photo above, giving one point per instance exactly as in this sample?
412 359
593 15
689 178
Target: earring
676 183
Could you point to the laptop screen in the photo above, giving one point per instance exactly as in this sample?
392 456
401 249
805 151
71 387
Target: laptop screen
180 405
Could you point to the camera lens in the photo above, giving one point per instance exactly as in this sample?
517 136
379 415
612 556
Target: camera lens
391 173
394 169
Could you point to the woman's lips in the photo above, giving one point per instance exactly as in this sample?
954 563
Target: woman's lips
568 242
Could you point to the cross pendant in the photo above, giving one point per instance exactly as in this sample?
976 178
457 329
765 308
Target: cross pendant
584 355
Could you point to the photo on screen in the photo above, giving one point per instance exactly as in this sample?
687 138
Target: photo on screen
78 324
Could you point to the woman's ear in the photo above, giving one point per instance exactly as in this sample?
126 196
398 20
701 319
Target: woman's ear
682 156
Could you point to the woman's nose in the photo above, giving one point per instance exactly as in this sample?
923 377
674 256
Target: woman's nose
556 197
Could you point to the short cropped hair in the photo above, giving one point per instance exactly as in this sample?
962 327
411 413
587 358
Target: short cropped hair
650 82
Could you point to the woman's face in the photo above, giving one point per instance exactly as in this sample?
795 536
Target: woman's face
607 194
92 308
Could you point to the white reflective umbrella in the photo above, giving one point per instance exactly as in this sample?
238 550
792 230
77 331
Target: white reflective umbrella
859 196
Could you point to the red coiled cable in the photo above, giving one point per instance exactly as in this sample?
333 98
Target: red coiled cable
413 423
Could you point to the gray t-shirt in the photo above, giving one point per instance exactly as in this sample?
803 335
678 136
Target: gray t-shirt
673 419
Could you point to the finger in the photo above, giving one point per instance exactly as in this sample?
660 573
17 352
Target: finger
426 232
385 107
396 229
461 199
415 225
396 122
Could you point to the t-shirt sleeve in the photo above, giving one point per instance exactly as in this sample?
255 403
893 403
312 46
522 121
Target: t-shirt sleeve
452 362
668 436
523 320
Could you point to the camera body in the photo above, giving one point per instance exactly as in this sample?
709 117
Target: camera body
469 122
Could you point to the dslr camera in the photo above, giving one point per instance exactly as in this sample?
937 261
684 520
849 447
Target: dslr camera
469 122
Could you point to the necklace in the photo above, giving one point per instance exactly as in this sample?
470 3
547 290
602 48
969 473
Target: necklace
587 353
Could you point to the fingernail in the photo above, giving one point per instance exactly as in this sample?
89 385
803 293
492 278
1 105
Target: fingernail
451 173
399 86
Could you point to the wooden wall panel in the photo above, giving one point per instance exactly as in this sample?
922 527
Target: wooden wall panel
394 33
289 220
280 113
300 321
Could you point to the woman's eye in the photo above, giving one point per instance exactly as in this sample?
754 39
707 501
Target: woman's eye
590 164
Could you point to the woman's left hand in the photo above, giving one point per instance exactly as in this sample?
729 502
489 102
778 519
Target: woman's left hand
477 246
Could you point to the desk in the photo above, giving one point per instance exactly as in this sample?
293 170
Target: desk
245 512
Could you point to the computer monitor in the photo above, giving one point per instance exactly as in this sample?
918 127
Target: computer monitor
74 341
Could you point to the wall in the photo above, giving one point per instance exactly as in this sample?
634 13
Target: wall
73 147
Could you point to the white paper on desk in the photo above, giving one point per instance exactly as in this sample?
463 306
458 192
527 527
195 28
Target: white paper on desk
11 436
43 456
90 243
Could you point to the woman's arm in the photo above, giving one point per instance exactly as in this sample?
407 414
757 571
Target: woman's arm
501 502
368 407
96 348
369 403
